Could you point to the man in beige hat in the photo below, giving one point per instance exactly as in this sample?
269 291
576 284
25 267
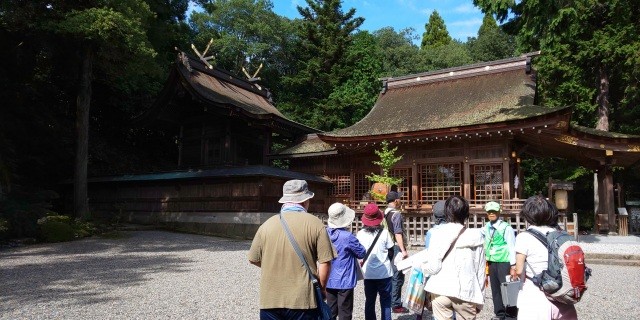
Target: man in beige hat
285 289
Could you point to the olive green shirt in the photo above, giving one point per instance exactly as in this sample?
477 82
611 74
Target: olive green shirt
284 282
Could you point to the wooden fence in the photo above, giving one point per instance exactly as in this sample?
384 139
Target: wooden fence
417 224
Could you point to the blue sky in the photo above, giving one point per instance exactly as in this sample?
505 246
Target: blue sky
460 16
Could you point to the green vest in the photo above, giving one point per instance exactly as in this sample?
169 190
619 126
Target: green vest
494 243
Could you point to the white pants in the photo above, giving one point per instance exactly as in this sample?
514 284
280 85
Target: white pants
534 305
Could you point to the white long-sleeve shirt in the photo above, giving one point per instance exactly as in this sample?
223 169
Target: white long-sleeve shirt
462 273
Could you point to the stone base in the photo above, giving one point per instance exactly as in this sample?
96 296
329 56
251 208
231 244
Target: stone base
239 225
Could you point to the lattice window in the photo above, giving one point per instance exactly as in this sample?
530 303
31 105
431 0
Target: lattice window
341 185
487 181
439 181
361 185
405 185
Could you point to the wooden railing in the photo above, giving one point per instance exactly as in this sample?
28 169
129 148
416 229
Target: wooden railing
417 223
512 206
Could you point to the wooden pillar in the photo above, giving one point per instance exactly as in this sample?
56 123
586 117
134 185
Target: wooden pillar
466 173
606 205
506 179
415 194
203 144
266 147
180 142
608 198
352 189
467 179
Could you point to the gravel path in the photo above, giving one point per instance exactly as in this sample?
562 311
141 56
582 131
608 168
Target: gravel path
163 275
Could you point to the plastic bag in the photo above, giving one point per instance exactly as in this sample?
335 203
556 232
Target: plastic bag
415 297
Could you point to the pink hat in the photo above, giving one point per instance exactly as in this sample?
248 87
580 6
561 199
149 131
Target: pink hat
372 215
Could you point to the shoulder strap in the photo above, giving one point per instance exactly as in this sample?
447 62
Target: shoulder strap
297 249
454 242
541 237
372 245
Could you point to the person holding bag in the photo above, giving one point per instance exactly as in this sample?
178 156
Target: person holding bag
377 266
456 265
344 267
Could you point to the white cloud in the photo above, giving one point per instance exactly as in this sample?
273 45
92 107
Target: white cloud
467 23
411 4
466 8
426 12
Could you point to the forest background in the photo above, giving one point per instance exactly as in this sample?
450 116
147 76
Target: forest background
74 73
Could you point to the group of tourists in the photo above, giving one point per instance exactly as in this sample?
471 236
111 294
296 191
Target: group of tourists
459 259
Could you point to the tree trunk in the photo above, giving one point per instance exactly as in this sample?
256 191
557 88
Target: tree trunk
603 100
81 206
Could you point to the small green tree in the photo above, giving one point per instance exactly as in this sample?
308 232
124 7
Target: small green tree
435 34
387 160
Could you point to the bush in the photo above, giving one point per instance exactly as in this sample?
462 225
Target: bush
83 229
23 208
56 229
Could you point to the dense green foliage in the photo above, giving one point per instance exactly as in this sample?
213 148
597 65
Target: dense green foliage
492 42
322 70
589 59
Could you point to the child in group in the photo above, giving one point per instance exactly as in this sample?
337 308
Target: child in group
342 278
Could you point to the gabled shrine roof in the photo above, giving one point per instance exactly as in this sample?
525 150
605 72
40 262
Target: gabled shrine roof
217 92
479 94
218 86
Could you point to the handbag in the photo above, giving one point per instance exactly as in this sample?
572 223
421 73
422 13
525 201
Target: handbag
324 312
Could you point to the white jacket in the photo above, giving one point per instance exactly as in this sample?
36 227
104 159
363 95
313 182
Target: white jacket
462 274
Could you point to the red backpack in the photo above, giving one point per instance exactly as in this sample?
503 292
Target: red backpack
565 279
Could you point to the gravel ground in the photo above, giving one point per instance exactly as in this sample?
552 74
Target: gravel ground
163 275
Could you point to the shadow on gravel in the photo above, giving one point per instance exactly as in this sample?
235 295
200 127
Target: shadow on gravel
85 272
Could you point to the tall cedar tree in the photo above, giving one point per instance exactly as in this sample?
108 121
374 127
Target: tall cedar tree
73 45
589 55
491 43
327 33
436 33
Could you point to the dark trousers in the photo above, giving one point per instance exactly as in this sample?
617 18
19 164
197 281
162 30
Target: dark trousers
341 303
288 314
397 282
372 288
498 271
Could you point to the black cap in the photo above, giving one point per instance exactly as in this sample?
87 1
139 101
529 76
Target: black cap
393 195
438 209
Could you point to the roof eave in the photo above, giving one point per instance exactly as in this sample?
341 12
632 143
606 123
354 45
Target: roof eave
547 119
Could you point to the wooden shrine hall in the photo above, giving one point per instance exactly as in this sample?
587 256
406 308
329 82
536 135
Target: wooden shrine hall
221 184
462 131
